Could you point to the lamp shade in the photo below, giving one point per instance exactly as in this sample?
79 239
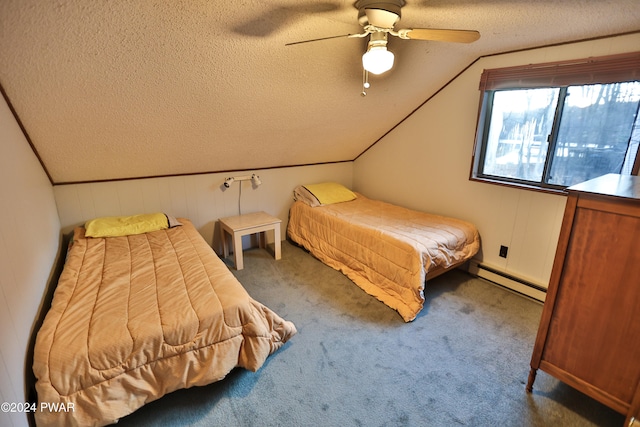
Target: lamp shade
377 60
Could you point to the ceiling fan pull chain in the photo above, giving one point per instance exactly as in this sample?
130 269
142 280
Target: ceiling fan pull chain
365 82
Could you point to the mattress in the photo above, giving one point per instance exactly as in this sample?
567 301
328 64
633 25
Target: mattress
385 249
139 316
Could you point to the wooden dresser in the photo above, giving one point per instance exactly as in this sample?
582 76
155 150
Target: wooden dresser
589 334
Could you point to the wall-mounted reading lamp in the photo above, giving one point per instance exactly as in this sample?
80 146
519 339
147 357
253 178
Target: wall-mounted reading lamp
255 182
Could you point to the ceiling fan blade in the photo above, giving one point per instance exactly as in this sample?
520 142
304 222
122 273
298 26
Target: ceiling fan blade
271 21
327 38
456 36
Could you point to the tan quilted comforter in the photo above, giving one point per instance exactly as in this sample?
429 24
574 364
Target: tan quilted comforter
136 317
385 249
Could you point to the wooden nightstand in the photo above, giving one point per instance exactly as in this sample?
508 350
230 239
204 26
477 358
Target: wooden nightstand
243 225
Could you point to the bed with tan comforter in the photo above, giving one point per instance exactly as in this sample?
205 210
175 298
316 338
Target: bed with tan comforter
387 250
139 316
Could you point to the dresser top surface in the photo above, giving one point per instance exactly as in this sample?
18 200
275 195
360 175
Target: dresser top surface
624 186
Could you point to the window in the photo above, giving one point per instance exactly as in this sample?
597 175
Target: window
554 125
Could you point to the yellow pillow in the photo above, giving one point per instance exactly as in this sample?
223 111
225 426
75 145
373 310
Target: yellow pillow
115 226
331 192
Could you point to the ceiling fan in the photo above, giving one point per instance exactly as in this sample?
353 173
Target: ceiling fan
378 19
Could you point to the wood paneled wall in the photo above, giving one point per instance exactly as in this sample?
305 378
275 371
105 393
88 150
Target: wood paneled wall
201 198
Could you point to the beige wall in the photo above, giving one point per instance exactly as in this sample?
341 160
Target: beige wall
201 198
29 241
424 164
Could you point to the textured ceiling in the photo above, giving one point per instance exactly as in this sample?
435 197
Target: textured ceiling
123 89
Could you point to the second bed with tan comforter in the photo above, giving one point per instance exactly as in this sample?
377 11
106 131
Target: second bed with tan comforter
387 250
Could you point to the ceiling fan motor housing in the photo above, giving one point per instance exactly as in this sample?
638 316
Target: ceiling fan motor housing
383 14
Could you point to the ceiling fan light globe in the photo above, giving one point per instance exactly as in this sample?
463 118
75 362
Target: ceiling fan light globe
377 60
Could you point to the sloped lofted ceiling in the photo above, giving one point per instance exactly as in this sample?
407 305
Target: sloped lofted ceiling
138 88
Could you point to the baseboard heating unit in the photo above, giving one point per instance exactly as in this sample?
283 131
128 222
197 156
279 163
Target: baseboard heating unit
508 281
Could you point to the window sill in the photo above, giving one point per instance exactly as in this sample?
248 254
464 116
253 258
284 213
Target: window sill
520 186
